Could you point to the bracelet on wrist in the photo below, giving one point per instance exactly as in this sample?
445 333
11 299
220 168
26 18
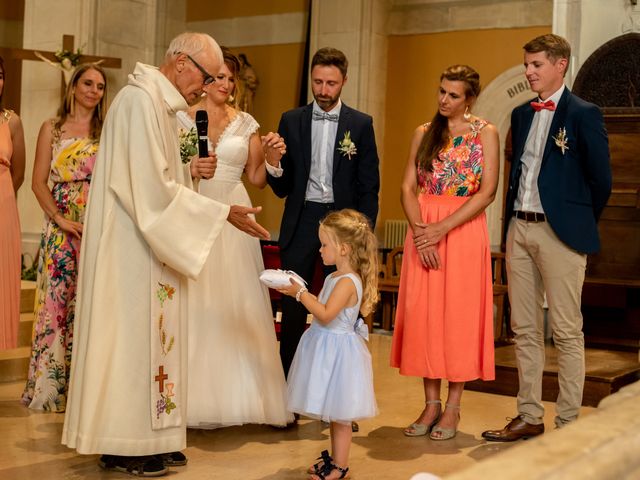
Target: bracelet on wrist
299 293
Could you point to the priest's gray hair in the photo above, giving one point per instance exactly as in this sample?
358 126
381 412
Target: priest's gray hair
193 43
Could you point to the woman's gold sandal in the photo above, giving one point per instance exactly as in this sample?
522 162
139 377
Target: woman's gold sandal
445 433
420 429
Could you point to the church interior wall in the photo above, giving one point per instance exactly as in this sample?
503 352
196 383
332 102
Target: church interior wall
271 34
415 65
418 60
279 91
410 17
41 89
207 10
583 24
11 14
130 30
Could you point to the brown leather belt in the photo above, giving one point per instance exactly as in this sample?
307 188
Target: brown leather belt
529 216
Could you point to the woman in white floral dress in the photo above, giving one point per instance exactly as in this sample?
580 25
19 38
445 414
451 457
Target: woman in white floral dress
65 156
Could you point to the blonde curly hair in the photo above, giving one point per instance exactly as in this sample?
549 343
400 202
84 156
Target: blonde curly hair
352 228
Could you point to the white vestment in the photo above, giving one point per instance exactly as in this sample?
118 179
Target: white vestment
142 218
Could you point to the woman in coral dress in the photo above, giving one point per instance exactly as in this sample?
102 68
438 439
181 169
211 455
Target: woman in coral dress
11 177
65 155
235 374
444 322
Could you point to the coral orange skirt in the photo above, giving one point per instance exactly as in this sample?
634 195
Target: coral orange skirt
444 318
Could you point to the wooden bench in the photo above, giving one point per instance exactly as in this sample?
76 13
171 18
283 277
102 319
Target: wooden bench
618 282
500 297
389 284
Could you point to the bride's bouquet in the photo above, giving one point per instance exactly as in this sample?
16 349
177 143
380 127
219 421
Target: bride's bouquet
188 144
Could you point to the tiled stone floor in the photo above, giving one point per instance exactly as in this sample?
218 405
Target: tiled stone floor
31 449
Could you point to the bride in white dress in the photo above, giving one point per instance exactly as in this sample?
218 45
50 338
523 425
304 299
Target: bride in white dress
235 373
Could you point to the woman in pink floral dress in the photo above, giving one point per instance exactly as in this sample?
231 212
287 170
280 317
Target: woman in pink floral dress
65 155
444 321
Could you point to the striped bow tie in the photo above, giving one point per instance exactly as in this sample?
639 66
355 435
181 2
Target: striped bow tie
548 105
332 117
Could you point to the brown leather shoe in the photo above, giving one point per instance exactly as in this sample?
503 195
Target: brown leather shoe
516 429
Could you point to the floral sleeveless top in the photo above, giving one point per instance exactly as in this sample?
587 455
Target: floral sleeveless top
73 158
458 169
72 165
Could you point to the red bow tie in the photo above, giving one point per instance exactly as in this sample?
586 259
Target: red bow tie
548 105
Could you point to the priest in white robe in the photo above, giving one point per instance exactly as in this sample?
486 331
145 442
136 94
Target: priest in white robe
146 231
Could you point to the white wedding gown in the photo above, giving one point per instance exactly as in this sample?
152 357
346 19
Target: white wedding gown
235 373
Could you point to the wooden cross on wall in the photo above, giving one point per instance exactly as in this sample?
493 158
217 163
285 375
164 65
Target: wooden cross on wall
14 56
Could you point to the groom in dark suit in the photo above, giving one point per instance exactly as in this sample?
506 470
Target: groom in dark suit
559 184
331 163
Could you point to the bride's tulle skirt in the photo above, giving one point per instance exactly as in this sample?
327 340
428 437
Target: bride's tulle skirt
235 373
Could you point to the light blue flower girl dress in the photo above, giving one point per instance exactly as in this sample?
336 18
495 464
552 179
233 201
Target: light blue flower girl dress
331 376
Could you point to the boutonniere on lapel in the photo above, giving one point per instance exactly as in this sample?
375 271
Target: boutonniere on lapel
346 145
561 140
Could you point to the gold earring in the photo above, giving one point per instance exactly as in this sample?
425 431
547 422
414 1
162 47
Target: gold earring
467 114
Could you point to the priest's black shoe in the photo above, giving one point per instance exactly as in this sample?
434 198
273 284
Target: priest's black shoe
173 459
146 466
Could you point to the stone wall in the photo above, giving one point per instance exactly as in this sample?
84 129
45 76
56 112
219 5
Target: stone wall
133 30
588 24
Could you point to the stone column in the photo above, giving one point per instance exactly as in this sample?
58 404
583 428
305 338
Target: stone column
358 28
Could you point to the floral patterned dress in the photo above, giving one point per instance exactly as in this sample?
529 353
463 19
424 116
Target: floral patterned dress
444 319
47 383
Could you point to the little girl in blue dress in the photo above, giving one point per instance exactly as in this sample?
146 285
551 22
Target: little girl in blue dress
331 376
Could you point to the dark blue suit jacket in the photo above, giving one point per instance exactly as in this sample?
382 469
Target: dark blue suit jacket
574 186
356 181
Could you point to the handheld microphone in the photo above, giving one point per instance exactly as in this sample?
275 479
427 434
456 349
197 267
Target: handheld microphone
202 126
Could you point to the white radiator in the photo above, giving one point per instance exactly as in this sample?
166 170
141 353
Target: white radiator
394 233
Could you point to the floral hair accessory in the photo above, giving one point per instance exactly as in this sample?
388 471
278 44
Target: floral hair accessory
346 146
561 139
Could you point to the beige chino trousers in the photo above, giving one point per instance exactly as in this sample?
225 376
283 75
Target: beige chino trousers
538 262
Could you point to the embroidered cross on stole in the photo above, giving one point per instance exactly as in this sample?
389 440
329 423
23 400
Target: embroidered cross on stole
166 401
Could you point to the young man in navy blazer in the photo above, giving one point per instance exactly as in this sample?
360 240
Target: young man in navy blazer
331 163
559 184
